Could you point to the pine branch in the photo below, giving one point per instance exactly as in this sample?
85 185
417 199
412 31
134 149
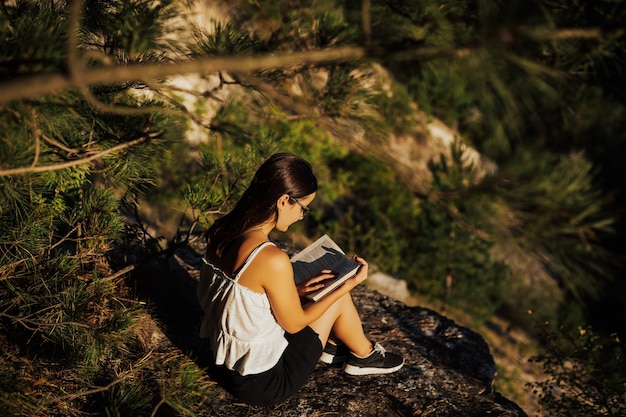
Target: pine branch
59 145
40 84
180 109
37 132
119 273
131 373
38 324
63 239
46 168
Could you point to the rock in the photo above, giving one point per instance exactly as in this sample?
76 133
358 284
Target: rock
388 285
449 370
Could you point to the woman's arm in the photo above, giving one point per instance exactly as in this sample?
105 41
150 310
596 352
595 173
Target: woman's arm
276 275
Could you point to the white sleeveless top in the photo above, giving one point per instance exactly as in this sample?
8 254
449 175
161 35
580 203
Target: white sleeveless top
244 335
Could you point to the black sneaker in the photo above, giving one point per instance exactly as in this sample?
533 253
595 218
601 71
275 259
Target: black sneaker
377 362
334 354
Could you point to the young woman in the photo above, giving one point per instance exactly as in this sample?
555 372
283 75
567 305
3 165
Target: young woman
265 343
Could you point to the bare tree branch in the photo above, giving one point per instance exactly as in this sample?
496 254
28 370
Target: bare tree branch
75 64
37 135
179 108
31 86
69 164
119 273
39 84
59 145
366 21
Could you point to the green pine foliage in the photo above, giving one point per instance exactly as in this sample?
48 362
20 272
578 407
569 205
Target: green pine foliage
468 103
71 330
545 109
227 39
372 203
584 373
562 217
455 262
82 169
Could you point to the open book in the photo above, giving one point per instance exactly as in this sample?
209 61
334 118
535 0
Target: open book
323 254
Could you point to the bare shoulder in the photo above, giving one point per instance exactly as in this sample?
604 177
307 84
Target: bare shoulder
270 267
274 271
274 258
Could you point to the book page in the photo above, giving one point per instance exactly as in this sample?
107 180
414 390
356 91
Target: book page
347 268
322 254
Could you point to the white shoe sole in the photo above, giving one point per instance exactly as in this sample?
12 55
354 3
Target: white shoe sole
329 359
357 370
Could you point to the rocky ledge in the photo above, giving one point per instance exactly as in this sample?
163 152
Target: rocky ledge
449 370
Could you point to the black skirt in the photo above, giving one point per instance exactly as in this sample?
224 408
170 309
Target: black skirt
277 384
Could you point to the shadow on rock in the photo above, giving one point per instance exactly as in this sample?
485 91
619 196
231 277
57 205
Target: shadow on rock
449 370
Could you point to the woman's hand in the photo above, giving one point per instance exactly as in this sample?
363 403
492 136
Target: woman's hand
314 283
275 270
363 270
318 282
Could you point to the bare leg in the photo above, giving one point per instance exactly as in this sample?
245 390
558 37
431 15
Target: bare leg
342 319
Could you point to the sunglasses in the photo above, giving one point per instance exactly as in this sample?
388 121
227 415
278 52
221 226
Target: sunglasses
305 209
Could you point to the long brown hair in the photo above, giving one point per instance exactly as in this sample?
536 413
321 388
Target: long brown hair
282 173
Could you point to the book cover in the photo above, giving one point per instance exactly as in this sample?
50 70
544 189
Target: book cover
323 254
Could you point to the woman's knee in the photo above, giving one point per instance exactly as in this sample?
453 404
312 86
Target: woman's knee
346 302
